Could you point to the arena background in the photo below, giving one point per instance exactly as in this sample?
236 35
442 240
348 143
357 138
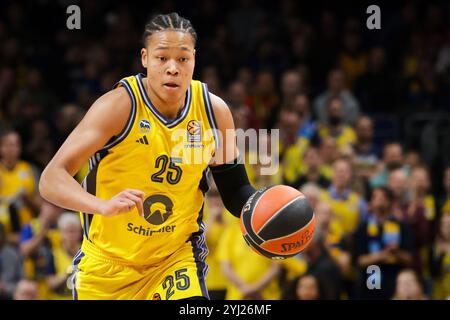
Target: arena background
279 65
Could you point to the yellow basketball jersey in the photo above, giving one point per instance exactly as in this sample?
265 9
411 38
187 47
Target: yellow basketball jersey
12 182
346 212
167 160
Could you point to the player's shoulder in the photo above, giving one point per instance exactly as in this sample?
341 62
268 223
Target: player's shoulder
220 108
114 105
115 97
218 104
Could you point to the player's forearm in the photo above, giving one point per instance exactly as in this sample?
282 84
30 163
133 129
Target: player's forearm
61 189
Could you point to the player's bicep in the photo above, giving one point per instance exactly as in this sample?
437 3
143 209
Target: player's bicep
94 130
227 149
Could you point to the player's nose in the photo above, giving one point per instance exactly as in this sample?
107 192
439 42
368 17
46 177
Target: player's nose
172 68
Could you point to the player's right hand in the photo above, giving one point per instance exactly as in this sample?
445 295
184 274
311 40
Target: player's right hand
123 202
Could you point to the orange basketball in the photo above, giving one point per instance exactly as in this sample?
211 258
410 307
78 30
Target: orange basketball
278 222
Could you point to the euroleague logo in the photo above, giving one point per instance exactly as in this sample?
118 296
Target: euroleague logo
194 131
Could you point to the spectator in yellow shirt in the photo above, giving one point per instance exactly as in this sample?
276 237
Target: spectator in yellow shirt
328 153
335 127
19 200
215 225
440 260
445 202
348 206
249 275
60 265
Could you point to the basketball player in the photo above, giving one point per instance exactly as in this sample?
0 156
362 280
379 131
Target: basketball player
141 202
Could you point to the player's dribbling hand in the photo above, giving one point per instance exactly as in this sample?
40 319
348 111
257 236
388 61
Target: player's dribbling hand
123 202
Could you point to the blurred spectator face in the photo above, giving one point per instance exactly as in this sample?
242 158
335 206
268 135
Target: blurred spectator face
301 105
346 152
336 81
398 183
409 12
26 290
308 288
324 213
342 173
351 41
393 156
264 83
169 78
444 227
68 118
408 286
40 129
236 94
312 193
240 117
34 79
245 76
379 202
412 159
289 124
6 79
335 111
376 59
420 180
328 22
364 129
447 180
290 83
211 77
70 228
328 149
312 158
10 147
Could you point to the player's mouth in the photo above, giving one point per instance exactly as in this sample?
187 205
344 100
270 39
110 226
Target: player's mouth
171 86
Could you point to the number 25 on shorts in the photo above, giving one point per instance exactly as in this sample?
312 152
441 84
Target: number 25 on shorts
181 282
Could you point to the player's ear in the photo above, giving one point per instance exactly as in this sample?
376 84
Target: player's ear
144 57
194 53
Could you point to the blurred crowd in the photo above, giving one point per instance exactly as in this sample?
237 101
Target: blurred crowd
363 118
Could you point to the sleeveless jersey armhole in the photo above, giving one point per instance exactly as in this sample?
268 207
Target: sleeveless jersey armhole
210 114
126 130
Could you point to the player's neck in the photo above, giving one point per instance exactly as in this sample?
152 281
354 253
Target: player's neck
169 110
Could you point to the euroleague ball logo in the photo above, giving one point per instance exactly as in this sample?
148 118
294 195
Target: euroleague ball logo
194 131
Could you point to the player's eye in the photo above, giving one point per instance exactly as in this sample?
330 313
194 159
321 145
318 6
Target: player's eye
163 59
183 59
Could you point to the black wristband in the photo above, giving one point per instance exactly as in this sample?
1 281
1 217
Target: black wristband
233 185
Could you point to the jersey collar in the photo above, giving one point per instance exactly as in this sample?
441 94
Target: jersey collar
170 123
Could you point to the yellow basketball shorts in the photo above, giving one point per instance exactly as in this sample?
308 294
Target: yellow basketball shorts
180 276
